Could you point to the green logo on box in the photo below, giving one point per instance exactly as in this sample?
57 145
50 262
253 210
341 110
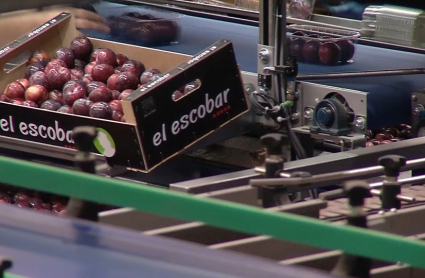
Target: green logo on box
104 143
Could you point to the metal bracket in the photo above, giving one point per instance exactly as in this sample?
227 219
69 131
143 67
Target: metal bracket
290 70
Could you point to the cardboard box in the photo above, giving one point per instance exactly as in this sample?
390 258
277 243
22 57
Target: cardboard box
124 144
166 126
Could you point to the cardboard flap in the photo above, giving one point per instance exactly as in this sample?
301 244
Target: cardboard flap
40 38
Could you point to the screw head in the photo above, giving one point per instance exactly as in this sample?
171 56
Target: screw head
264 55
308 113
418 109
249 88
414 98
360 123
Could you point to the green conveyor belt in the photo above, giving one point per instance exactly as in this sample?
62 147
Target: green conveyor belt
7 275
373 244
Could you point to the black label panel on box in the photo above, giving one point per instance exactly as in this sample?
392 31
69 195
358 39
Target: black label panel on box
116 141
167 126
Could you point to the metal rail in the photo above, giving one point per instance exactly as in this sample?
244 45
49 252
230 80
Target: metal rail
330 178
361 74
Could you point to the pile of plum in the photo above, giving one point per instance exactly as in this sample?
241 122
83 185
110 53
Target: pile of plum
316 49
388 135
38 201
33 200
144 28
79 80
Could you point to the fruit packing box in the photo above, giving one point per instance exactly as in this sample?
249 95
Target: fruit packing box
321 45
172 116
92 94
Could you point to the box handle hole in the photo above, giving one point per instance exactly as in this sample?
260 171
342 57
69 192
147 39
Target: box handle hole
186 90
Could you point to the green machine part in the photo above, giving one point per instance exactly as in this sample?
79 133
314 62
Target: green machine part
251 220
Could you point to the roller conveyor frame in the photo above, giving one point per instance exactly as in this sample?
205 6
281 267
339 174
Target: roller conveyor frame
85 186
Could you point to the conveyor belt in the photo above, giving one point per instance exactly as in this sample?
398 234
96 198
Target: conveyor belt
199 33
46 246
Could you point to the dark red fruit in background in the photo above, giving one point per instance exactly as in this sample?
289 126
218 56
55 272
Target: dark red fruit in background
14 90
311 52
23 204
30 103
125 94
369 144
393 131
66 55
31 69
177 95
58 208
115 94
101 72
51 105
347 50
375 142
55 64
116 106
94 54
41 57
383 136
65 109
94 85
124 81
87 78
5 199
37 94
117 70
39 78
77 74
89 68
73 91
117 116
101 94
36 203
112 81
17 101
25 82
106 56
58 77
154 77
147 75
101 110
78 64
329 53
4 98
134 67
21 195
82 107
82 48
296 48
121 59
